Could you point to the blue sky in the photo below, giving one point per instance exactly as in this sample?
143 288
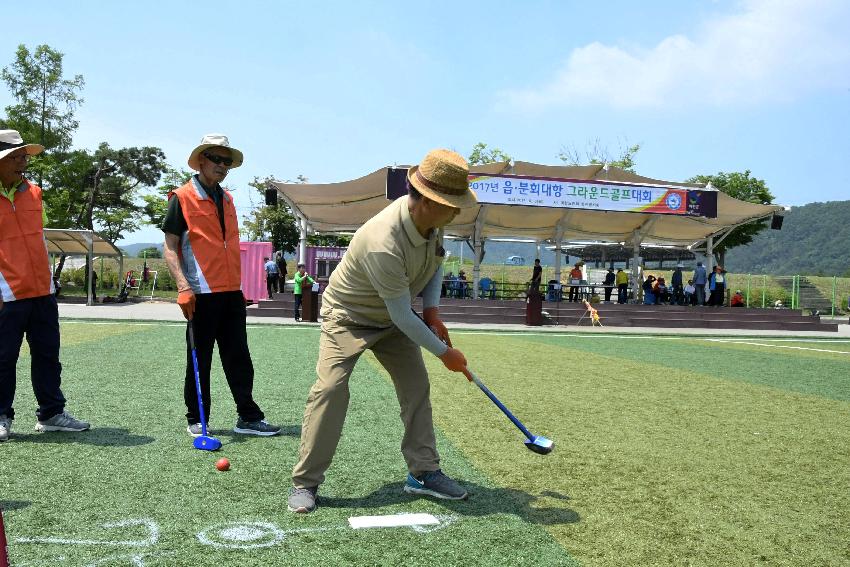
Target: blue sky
336 90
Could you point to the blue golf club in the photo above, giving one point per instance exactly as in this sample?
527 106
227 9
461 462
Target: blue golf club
204 442
536 443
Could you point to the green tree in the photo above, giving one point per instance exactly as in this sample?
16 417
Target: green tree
46 102
272 223
156 205
481 155
743 187
340 240
596 153
150 252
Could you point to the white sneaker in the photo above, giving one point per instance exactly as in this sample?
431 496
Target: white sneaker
5 428
62 422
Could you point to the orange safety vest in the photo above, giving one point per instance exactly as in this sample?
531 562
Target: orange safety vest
210 261
24 266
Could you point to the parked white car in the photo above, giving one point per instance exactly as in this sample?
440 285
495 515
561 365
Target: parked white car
515 261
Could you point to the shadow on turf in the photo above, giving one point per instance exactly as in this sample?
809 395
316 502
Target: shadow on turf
483 501
285 430
99 436
6 505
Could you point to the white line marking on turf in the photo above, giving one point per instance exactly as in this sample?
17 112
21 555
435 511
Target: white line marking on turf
786 346
497 333
392 521
242 535
153 535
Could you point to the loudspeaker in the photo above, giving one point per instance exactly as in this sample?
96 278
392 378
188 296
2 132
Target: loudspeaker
776 222
271 197
396 182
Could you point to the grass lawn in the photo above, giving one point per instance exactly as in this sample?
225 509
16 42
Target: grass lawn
673 451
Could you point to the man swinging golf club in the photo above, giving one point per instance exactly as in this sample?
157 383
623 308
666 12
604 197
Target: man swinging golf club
394 257
202 253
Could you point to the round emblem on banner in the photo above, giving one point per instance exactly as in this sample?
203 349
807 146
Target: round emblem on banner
674 201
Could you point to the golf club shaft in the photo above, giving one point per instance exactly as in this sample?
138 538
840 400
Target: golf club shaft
197 379
473 378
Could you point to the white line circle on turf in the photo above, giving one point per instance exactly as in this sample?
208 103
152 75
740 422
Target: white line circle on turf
242 535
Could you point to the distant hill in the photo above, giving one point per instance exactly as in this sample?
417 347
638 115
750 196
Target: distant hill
814 240
132 250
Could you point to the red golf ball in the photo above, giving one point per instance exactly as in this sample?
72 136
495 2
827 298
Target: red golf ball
222 464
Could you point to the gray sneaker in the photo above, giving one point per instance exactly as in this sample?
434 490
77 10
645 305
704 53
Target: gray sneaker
302 500
435 483
62 422
261 427
5 428
195 429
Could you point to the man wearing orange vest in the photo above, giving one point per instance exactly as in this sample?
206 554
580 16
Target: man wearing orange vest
27 304
202 252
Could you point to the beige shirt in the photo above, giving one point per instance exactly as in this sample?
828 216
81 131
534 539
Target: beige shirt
386 258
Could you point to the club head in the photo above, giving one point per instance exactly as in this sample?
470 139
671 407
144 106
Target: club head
540 445
207 443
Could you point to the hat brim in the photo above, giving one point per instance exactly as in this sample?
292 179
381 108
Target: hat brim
462 201
32 150
195 164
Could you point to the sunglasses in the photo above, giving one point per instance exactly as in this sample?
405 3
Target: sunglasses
218 160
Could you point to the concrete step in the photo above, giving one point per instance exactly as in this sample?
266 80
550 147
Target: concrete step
612 315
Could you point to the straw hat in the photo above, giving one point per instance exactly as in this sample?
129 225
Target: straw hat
10 141
214 141
443 176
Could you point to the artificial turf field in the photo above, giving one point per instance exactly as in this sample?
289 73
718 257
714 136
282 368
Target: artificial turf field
669 451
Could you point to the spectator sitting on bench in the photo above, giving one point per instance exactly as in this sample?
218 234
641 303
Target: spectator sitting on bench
737 299
487 288
690 291
648 294
662 293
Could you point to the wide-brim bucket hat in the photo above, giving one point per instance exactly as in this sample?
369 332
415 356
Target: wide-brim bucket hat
443 177
11 141
214 141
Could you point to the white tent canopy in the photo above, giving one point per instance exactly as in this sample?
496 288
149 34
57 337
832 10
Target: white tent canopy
72 242
345 206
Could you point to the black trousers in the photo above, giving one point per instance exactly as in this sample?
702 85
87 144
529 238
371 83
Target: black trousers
608 289
271 284
622 293
718 295
298 298
38 318
220 318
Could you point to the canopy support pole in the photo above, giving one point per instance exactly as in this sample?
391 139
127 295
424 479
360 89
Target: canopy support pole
709 254
89 266
636 239
302 242
478 247
559 236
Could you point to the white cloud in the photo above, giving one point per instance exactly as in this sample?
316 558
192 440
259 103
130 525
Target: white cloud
768 51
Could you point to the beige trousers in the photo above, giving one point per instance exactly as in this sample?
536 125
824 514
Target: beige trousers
341 344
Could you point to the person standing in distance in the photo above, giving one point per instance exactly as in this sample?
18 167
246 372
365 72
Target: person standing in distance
536 276
394 257
27 302
700 280
202 253
300 280
272 275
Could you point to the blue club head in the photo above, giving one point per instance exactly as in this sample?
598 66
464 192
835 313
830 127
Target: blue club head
540 445
207 443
